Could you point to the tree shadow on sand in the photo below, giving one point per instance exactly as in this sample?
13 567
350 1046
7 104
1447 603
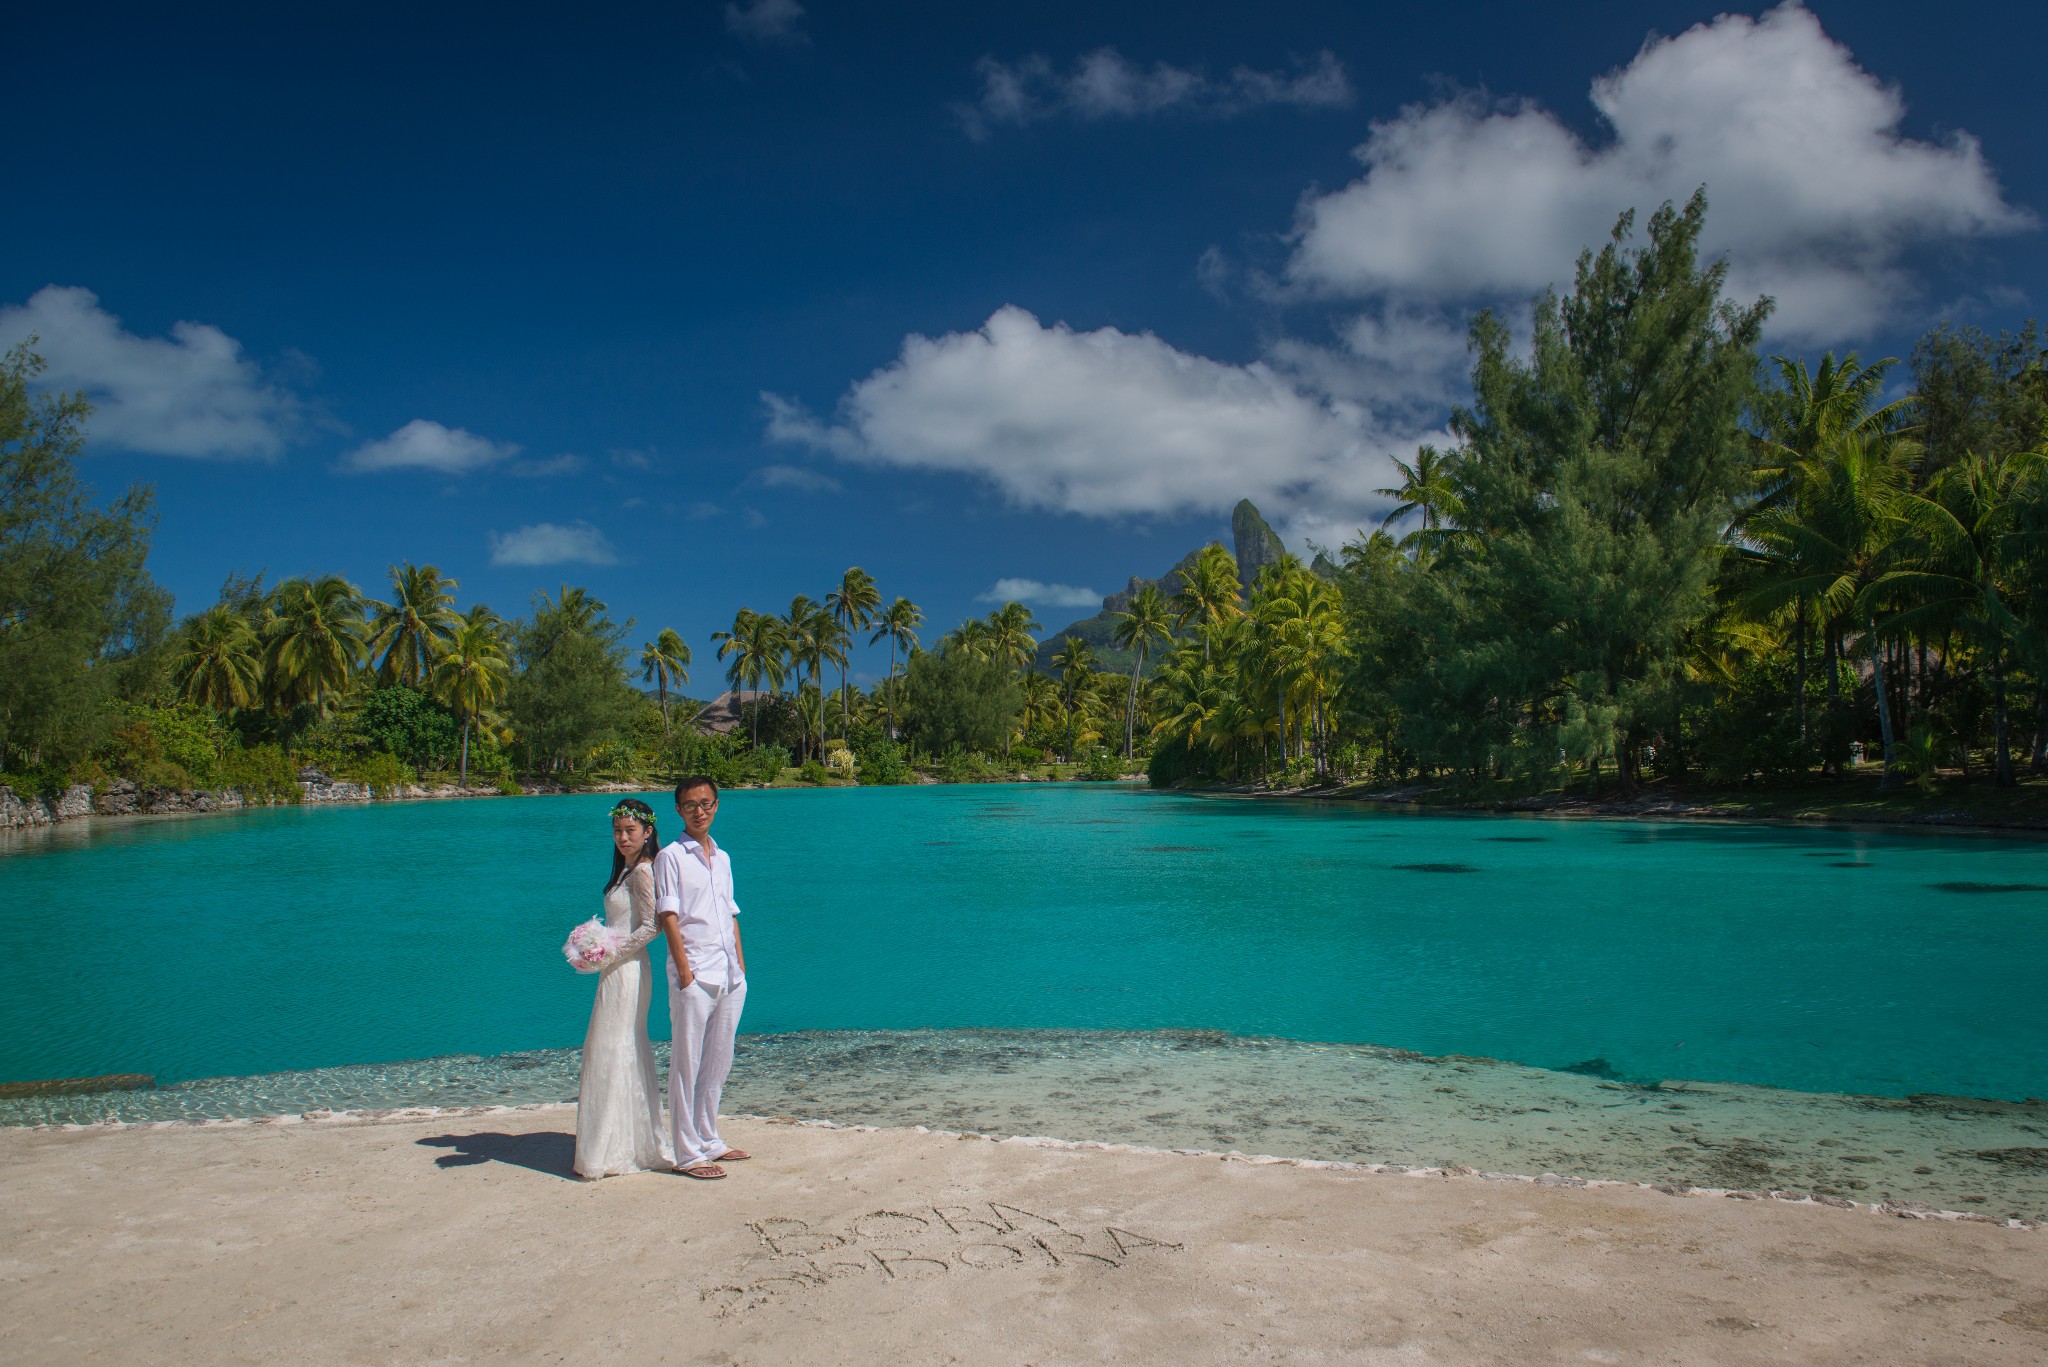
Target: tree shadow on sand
545 1151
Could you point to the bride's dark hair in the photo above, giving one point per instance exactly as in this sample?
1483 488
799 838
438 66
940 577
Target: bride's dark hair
643 814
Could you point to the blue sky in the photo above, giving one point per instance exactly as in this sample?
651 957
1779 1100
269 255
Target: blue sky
699 303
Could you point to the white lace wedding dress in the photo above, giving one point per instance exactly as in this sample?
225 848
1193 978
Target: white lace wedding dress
618 1112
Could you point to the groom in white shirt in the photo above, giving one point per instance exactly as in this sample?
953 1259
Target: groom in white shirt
707 978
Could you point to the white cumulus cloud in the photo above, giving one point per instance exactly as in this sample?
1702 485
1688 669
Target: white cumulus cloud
192 393
553 543
425 445
1104 85
1106 423
1814 193
1042 594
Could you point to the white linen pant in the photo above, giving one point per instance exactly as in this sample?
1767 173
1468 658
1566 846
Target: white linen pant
705 1019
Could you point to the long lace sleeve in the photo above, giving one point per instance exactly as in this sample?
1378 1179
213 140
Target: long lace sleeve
640 891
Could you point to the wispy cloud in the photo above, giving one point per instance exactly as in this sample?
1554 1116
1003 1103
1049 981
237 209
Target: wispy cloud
1103 85
192 393
766 21
553 543
797 477
1039 593
426 445
565 464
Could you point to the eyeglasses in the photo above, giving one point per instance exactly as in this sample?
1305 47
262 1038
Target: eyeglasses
696 806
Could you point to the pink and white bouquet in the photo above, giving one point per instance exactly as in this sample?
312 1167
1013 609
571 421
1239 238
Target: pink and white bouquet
590 945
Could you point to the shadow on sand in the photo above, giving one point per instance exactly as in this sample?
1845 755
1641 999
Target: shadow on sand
547 1151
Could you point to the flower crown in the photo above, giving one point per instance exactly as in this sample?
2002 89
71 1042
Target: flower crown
640 813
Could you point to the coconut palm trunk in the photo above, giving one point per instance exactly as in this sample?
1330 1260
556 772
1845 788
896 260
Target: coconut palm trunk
1799 663
2001 772
1131 707
1884 711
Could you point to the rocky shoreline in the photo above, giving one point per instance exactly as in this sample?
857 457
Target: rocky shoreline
123 797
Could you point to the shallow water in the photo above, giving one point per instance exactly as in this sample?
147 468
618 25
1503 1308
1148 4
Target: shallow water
309 938
1200 1090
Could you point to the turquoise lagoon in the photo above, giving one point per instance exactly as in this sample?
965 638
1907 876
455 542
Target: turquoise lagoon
407 953
1825 960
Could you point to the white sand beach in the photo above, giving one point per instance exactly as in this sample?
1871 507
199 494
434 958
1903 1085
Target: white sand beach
459 1237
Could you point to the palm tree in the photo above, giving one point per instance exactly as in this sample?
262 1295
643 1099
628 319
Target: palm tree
480 615
899 622
411 629
853 605
971 637
1009 634
1076 664
810 714
1209 592
315 640
1829 543
471 675
1148 619
1191 697
811 637
664 661
1041 699
1305 644
759 653
217 664
1801 421
1813 409
1979 529
828 641
1430 486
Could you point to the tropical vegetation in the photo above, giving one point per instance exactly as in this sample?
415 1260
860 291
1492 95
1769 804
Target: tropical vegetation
1649 553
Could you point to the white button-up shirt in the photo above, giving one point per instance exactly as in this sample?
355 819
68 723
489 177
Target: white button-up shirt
697 887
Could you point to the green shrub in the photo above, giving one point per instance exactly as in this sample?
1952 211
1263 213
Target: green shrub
509 786
879 761
1101 765
964 766
814 773
261 774
1026 756
34 784
176 747
381 771
410 726
614 757
764 765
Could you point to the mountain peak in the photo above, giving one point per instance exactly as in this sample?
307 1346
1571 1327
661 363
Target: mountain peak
1258 545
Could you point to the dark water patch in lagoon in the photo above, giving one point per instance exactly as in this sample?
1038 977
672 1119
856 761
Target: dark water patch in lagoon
1607 1072
1988 887
1177 849
940 842
1852 864
1437 868
1516 839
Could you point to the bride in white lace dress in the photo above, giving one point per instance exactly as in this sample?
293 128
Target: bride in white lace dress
618 1111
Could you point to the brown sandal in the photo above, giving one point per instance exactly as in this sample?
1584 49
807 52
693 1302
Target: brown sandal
703 1172
734 1156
